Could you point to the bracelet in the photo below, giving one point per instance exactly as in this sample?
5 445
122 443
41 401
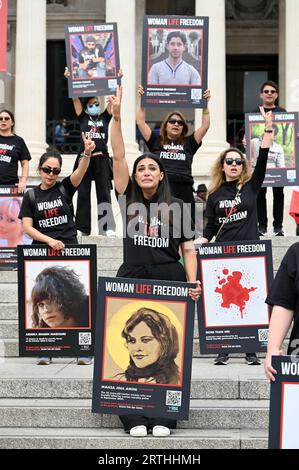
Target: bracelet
84 155
206 112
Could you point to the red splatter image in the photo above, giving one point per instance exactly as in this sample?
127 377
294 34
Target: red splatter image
232 292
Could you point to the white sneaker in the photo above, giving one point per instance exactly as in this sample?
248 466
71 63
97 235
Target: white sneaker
43 361
161 431
110 233
138 431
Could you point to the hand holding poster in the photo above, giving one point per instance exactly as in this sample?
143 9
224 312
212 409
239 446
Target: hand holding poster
57 291
235 276
284 398
143 348
282 165
175 61
92 59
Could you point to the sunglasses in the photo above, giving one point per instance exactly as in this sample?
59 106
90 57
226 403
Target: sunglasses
269 92
176 121
230 161
4 118
48 170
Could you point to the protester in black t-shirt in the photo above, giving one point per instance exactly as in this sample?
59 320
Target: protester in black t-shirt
12 151
231 207
151 245
46 213
93 121
46 210
284 297
175 148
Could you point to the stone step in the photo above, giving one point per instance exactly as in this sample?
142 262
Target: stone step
9 292
73 438
204 414
22 378
8 311
106 267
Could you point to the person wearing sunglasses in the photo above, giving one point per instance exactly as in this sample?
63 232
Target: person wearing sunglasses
12 151
46 212
269 96
176 148
231 210
93 119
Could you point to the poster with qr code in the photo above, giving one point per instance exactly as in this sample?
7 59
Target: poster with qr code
57 300
92 57
232 313
283 156
143 349
284 399
175 61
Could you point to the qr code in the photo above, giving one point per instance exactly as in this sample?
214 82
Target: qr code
84 339
196 93
291 174
263 335
112 83
173 398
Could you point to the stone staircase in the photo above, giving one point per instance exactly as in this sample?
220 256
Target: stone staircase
50 406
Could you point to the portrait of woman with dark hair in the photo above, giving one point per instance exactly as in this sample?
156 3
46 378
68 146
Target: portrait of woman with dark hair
59 299
153 345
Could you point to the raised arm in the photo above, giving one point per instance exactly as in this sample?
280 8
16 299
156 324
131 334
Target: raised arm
205 121
76 102
24 177
140 116
120 166
77 176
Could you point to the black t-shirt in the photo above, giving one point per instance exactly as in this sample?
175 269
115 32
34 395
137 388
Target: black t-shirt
242 222
177 158
98 126
12 150
276 109
87 55
153 240
52 214
284 291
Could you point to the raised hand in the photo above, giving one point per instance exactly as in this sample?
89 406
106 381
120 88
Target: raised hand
89 144
115 103
207 95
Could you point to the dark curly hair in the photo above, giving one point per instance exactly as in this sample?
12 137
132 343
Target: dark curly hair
61 286
164 370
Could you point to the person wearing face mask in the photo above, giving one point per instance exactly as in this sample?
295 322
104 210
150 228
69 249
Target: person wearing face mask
94 121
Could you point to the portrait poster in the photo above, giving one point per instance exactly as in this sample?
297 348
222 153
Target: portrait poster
284 399
57 300
283 156
11 227
232 314
92 57
143 350
3 34
175 61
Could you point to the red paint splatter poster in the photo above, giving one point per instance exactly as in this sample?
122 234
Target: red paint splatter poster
233 316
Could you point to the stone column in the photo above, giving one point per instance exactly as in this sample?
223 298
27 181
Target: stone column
215 140
289 52
30 84
123 13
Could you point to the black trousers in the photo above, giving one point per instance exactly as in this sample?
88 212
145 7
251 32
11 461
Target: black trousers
168 272
278 205
184 191
100 172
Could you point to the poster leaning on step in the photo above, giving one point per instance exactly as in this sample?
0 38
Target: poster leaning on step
143 352
232 314
57 300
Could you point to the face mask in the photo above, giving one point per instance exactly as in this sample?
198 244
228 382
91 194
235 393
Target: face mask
93 109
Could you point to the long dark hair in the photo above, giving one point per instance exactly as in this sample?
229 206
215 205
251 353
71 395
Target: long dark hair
164 370
62 286
50 153
163 193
